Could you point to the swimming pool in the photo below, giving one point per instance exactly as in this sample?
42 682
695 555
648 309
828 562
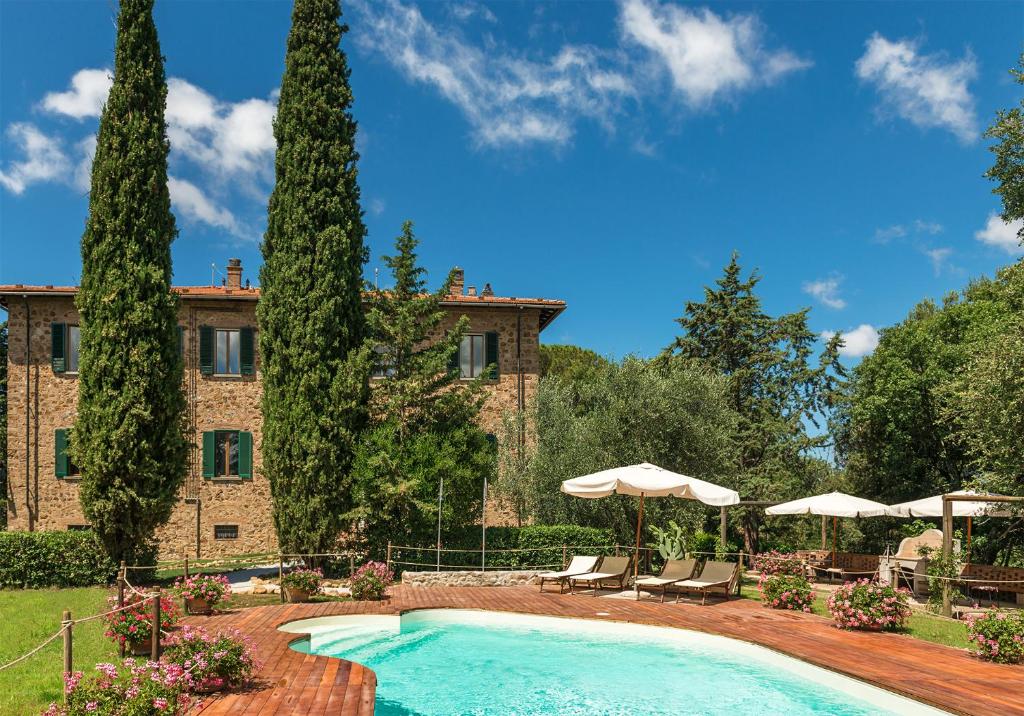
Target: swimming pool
453 662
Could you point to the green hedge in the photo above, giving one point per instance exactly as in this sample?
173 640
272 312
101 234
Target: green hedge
30 560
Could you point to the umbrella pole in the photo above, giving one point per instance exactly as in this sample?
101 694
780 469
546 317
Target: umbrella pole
969 539
835 522
639 521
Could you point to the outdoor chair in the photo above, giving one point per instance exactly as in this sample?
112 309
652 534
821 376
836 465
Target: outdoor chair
714 576
612 569
577 566
675 570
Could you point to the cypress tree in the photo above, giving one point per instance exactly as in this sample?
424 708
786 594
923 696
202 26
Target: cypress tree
312 327
128 436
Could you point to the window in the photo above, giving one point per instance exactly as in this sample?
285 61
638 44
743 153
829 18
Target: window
74 340
63 465
478 356
226 455
227 351
225 531
228 343
471 356
382 366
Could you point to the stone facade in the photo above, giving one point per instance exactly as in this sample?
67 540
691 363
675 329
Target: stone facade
38 500
516 578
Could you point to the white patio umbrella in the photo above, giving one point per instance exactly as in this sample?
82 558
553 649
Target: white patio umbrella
834 505
932 507
647 480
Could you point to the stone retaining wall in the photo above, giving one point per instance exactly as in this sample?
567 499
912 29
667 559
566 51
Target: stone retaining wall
471 579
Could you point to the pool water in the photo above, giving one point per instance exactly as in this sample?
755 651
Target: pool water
461 662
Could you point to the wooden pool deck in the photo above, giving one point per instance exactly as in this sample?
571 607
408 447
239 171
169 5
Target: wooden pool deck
294 683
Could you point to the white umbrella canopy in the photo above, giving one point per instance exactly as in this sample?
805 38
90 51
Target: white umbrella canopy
932 507
834 504
647 480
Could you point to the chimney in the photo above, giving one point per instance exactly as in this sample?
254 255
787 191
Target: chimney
234 274
471 291
488 291
458 280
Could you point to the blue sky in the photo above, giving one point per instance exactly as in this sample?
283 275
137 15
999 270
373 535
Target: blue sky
609 154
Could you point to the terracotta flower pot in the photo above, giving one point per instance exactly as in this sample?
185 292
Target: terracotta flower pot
296 595
142 647
197 606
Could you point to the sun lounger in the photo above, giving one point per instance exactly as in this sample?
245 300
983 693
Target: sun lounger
715 575
612 569
577 566
675 570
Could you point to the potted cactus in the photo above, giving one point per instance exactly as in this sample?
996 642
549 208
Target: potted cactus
670 542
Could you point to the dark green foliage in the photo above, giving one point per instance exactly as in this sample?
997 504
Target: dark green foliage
423 419
33 560
775 386
128 439
1008 169
629 413
938 405
543 542
311 326
570 363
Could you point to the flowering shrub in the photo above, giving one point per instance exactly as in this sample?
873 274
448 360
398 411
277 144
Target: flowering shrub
997 636
775 562
307 580
135 689
868 605
134 625
786 591
212 662
371 581
212 588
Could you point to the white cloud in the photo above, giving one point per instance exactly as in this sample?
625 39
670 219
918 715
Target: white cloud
83 169
927 227
939 258
926 90
706 55
826 290
857 342
507 97
887 234
44 159
465 11
1002 235
187 198
88 93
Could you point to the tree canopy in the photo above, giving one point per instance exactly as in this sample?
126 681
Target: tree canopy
1008 169
128 438
315 365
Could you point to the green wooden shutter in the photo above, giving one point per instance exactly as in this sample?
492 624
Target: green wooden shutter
491 354
181 341
209 453
60 452
453 361
246 351
57 333
245 455
206 350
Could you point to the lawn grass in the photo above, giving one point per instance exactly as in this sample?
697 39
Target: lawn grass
27 618
927 627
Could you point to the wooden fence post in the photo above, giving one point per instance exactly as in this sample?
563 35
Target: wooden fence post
155 650
67 625
352 564
120 603
739 580
389 554
186 565
280 576
565 551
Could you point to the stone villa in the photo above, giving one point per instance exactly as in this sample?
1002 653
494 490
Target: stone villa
224 505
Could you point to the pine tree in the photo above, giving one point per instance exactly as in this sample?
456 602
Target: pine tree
128 438
311 322
774 388
423 419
